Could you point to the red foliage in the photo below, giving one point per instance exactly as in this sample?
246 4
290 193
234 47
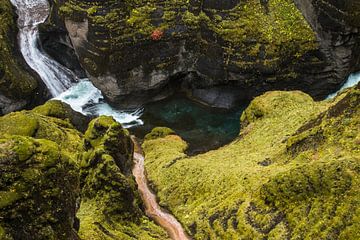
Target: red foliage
157 34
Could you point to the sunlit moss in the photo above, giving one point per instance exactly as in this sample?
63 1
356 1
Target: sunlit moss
286 176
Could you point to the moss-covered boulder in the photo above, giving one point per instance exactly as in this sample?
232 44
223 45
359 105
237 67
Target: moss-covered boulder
110 203
293 173
58 183
135 50
18 86
39 188
45 126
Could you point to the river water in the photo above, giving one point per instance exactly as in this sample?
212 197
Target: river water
80 94
191 121
85 98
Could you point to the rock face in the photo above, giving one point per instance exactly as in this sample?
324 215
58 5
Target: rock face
217 51
19 86
336 24
50 172
293 172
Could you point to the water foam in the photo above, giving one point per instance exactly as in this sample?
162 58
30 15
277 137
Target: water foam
85 98
351 81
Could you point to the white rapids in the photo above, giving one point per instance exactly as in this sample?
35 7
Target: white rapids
61 82
32 13
350 82
87 99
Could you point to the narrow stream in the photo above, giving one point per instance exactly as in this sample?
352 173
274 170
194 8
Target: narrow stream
82 96
85 98
153 210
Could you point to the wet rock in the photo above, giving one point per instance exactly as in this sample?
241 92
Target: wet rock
20 87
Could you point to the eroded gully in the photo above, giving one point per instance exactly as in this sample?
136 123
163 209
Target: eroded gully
152 208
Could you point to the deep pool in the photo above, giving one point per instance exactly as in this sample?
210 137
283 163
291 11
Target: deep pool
202 127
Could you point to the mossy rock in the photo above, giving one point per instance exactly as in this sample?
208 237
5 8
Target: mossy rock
159 132
293 173
39 189
274 104
33 124
61 110
109 192
49 171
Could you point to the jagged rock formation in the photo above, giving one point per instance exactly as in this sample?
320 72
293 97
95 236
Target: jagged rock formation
19 86
58 183
293 172
220 51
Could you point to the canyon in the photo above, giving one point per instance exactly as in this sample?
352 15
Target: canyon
278 165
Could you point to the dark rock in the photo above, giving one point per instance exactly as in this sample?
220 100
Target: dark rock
224 43
20 87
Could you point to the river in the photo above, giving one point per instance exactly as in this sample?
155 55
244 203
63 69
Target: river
82 96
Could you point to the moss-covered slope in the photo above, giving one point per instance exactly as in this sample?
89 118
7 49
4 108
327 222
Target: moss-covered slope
50 172
18 87
293 173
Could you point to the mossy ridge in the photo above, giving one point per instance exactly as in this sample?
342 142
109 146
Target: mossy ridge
111 205
270 182
15 81
44 158
32 124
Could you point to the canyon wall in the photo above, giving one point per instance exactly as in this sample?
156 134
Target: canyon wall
216 52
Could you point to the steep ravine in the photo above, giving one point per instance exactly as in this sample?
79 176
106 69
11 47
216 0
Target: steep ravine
153 210
58 79
97 140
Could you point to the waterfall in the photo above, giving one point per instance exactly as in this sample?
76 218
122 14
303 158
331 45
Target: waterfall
31 13
351 81
61 82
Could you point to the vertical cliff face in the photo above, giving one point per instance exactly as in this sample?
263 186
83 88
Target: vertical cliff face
336 24
19 86
134 51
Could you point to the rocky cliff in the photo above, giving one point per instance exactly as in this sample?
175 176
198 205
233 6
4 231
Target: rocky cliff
19 86
218 52
293 172
59 183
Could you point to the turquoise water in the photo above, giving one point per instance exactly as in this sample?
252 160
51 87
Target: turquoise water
202 127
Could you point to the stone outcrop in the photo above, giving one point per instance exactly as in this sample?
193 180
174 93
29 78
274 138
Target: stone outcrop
218 52
59 183
336 24
19 86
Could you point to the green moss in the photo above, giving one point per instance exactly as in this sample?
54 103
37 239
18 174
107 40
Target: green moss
8 198
18 124
292 173
109 191
47 166
39 184
50 121
159 132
